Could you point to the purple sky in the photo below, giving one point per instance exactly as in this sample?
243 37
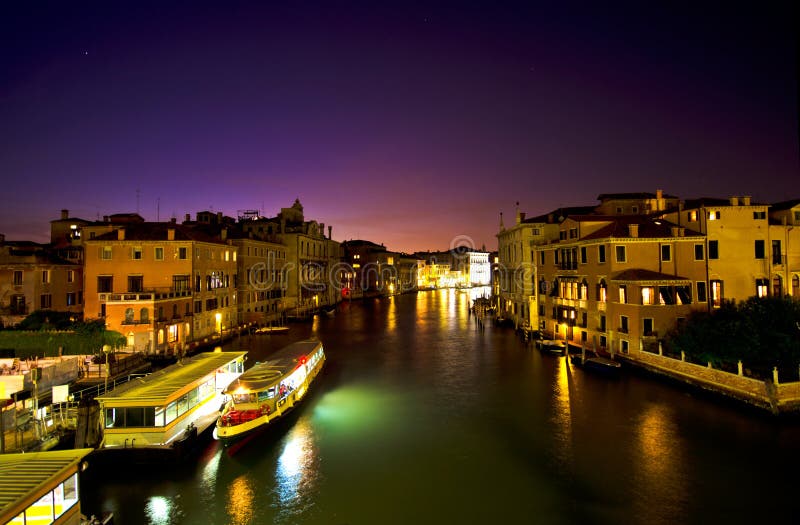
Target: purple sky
398 122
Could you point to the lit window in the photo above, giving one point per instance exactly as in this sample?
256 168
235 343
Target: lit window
647 295
45 276
713 215
70 276
623 294
692 216
762 286
716 293
105 253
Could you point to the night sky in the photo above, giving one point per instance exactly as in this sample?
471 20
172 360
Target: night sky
398 122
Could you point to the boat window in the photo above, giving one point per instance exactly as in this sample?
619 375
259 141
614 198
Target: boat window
158 420
206 389
183 404
134 417
111 415
193 397
172 412
265 394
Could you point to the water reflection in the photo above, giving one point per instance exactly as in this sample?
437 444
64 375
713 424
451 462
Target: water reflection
158 510
240 499
562 412
295 470
660 461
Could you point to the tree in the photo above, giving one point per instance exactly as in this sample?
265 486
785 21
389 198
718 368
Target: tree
761 332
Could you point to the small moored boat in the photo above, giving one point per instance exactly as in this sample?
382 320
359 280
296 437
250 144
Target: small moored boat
269 390
272 330
553 346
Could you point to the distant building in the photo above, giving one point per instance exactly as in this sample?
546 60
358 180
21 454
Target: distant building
312 258
33 278
372 270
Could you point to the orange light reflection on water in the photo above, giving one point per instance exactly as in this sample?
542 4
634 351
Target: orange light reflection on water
240 506
562 412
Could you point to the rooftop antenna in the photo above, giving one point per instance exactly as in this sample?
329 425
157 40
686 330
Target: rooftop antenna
158 209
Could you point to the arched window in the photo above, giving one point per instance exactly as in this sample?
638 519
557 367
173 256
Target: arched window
128 315
777 286
583 291
144 315
602 291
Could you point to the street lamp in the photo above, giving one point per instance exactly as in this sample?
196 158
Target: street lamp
106 351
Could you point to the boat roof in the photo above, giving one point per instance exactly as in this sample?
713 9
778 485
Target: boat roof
275 367
160 387
24 478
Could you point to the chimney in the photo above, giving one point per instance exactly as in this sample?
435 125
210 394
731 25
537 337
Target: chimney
633 230
681 231
330 232
2 238
659 194
746 200
121 234
522 217
188 217
64 214
219 217
223 233
170 234
105 218
734 201
173 220
675 231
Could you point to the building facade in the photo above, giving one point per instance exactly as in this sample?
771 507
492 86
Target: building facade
33 278
164 286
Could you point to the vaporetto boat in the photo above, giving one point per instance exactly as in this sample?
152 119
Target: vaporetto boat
269 390
160 416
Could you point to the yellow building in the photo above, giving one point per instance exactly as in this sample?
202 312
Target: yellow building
162 285
618 282
515 273
738 245
785 247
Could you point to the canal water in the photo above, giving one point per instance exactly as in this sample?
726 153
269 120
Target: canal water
423 417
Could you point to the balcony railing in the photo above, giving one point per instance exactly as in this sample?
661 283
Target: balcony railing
145 295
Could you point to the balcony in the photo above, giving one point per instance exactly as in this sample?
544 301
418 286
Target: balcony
150 295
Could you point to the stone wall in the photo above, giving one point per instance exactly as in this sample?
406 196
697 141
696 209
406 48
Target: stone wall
776 398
